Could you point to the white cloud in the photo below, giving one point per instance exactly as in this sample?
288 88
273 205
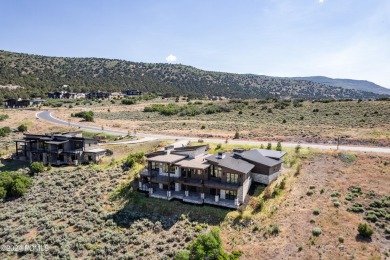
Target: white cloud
321 1
171 58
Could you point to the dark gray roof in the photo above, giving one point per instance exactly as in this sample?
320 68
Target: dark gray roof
232 163
256 156
271 153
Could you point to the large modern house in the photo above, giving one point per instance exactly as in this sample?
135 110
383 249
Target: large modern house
58 149
192 175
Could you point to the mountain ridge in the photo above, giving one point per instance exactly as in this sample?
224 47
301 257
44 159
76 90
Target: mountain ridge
39 74
363 85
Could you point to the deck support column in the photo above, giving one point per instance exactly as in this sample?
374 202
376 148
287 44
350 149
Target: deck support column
186 193
202 195
216 198
169 194
150 190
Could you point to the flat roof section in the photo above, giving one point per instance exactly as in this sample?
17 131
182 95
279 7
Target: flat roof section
167 158
196 163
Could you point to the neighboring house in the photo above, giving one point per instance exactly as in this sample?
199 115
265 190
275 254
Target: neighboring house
21 103
132 92
16 103
56 94
37 102
192 175
58 149
62 95
97 95
117 95
70 95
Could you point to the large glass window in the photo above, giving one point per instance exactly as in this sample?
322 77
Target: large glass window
230 194
231 177
168 168
155 166
215 171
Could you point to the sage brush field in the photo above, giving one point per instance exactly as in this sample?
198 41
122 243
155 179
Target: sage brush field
363 122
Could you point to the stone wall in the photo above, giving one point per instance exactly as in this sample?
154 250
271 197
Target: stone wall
243 190
263 178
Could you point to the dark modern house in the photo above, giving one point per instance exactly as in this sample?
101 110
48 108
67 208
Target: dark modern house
58 149
62 95
21 103
97 95
132 92
192 175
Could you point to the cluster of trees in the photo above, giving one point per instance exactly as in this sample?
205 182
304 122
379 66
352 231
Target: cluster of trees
13 184
39 75
134 158
86 115
207 246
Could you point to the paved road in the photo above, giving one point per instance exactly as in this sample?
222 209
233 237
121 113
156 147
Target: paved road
46 115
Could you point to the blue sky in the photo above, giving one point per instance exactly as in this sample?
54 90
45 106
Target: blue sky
335 38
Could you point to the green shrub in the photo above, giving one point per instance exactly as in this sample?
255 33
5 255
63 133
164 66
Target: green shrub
269 146
13 184
336 204
208 246
4 131
36 167
86 115
134 158
341 239
316 212
22 128
236 135
365 230
3 117
316 231
129 101
309 193
279 146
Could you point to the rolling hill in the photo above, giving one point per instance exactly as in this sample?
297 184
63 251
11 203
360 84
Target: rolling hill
39 74
362 85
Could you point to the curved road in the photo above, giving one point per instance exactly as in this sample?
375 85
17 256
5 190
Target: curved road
46 115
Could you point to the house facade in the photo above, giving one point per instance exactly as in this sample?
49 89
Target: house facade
132 92
97 95
21 103
58 149
194 176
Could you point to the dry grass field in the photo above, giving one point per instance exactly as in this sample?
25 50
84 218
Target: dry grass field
294 213
355 122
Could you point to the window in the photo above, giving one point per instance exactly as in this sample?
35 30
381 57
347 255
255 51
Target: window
231 177
155 166
230 194
215 171
168 168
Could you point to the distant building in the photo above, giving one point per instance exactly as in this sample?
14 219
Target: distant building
56 94
58 149
21 103
97 95
132 92
63 95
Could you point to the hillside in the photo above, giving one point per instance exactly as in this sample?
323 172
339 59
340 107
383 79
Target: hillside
362 85
39 74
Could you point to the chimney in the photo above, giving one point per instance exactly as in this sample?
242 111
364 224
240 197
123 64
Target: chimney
221 155
169 148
